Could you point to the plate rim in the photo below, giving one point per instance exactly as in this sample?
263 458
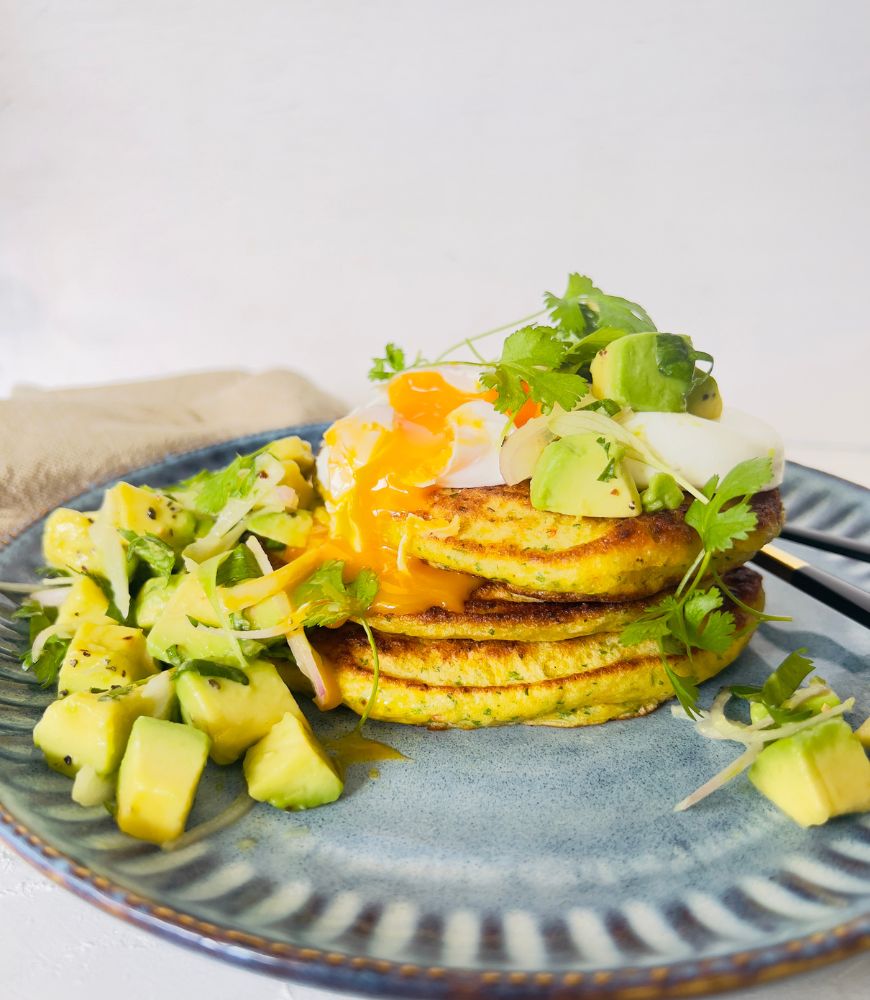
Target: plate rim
359 974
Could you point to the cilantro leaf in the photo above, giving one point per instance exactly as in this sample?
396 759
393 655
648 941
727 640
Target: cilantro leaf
528 368
718 528
47 666
534 346
686 691
584 307
787 678
389 365
566 309
36 616
676 357
151 550
208 492
556 389
646 629
329 601
745 479
241 564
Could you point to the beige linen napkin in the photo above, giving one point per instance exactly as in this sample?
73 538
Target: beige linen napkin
56 443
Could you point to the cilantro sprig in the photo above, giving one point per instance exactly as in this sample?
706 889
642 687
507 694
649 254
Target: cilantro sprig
546 363
692 617
779 687
329 602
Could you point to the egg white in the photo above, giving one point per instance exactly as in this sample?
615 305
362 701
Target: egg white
698 448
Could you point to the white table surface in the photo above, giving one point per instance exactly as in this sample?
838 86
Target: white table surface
188 184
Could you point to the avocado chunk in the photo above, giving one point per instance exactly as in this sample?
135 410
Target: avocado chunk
291 530
158 777
67 542
583 475
704 400
292 449
816 774
289 769
173 628
234 715
152 599
863 734
148 513
83 730
85 602
91 730
92 789
104 656
663 493
627 371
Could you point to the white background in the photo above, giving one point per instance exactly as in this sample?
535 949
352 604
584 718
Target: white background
189 185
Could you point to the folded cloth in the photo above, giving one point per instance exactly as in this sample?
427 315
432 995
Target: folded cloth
57 443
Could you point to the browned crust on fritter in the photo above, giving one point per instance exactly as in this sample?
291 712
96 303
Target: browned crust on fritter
535 620
656 547
571 682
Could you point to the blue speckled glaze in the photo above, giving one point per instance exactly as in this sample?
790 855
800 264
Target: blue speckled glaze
497 861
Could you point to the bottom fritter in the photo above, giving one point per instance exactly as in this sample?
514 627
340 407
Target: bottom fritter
467 684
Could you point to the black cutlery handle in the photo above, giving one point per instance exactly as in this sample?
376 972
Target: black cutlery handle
829 543
825 587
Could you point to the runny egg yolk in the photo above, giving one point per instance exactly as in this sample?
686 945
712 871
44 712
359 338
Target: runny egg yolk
396 481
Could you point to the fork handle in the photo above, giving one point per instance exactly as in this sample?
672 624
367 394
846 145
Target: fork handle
825 587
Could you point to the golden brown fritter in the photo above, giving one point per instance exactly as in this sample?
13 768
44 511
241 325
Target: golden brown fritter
466 684
555 557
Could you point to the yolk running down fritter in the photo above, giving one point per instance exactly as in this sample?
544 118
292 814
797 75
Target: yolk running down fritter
384 461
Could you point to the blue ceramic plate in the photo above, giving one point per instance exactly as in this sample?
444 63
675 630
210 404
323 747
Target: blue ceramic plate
498 863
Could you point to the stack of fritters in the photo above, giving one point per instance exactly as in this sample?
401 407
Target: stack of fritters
539 640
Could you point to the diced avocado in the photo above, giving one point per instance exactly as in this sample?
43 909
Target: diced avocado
863 734
291 530
704 400
627 371
155 697
91 730
583 475
150 513
293 449
158 777
174 628
816 774
85 602
234 715
92 789
104 656
295 480
152 599
67 542
816 704
663 493
81 730
272 611
289 769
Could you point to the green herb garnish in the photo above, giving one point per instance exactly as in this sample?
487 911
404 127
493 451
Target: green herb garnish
692 618
329 601
47 666
548 364
241 564
149 549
